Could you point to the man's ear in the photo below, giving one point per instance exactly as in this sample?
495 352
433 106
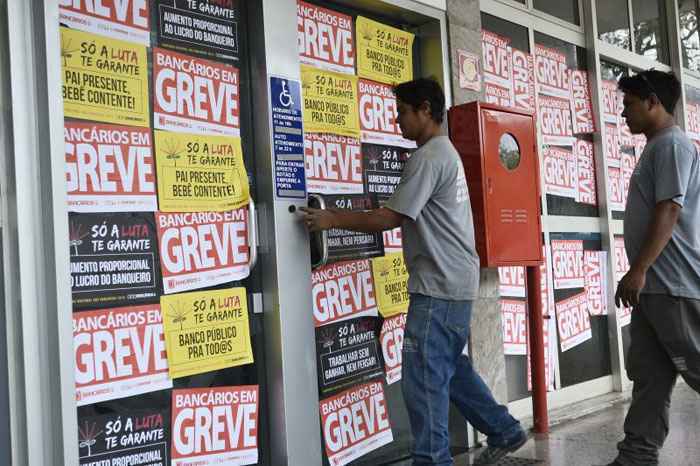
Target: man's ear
426 107
653 100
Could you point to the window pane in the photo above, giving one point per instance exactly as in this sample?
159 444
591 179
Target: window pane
650 36
613 22
690 39
517 34
611 71
562 9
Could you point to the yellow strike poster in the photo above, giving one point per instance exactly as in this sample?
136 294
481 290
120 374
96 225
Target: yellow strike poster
390 284
104 79
330 102
384 53
200 173
206 331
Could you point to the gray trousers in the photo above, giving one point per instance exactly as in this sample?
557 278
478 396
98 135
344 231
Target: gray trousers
665 333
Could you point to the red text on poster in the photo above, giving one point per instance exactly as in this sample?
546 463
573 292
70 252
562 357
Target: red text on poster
498 72
514 319
333 164
109 168
523 81
324 38
391 338
616 196
378 114
612 145
567 264
585 169
203 248
581 104
611 98
392 240
119 353
354 423
693 117
622 265
573 321
551 73
594 263
341 291
560 175
118 19
555 121
511 281
214 426
193 95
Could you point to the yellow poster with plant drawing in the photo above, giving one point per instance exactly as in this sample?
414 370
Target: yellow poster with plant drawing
384 53
391 284
104 79
200 173
330 102
206 331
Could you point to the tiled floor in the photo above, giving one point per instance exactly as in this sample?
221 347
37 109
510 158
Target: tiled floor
591 440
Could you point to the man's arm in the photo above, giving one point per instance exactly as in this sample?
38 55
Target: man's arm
365 221
665 216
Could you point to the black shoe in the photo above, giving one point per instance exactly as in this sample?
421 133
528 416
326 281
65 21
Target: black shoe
492 455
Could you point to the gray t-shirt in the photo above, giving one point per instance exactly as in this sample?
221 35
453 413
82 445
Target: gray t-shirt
669 169
438 235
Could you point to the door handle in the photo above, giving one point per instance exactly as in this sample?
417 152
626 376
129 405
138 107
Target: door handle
252 234
319 239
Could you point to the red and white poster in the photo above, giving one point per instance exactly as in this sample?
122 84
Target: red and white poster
498 69
573 321
595 270
325 38
622 266
627 163
585 168
355 422
333 164
119 352
611 101
202 249
567 264
391 338
626 136
109 168
560 172
469 72
118 19
514 319
194 95
549 332
393 241
343 290
214 426
378 115
640 142
511 281
552 76
616 197
612 145
555 121
693 118
523 81
581 104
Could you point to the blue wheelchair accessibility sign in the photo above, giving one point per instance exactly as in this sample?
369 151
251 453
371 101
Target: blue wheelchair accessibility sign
287 137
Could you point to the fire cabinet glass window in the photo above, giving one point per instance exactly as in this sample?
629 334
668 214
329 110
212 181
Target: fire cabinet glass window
650 32
613 22
562 9
690 38
517 34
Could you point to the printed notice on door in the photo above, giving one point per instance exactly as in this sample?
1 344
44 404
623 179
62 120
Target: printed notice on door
384 53
104 79
391 338
197 173
215 426
391 282
118 353
330 102
118 19
342 291
325 38
206 331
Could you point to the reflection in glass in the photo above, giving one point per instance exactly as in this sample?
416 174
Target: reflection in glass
509 151
650 36
690 39
611 71
613 22
562 9
517 34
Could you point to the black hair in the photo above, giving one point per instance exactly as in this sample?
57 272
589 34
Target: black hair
664 85
421 90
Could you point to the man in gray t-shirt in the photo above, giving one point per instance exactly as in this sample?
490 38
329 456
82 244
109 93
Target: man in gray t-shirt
662 239
431 204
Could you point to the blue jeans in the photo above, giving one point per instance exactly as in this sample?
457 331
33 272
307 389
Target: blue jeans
436 372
